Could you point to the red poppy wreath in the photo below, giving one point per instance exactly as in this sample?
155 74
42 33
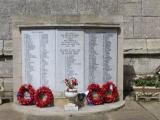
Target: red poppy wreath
95 95
44 97
25 94
110 92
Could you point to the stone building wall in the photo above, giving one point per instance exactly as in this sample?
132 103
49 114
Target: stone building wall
141 29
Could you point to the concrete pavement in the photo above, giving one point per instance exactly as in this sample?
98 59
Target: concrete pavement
131 111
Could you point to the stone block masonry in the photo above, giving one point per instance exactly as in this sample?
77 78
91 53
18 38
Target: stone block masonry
141 25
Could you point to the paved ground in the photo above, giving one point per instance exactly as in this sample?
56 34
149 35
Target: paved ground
131 111
152 107
137 111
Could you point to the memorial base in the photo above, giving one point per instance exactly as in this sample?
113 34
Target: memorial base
61 101
57 112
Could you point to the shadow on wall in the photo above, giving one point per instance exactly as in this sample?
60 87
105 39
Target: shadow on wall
129 75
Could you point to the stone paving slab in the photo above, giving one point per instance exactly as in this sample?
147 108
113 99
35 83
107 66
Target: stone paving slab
152 107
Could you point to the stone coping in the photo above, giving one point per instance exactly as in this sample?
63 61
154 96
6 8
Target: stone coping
56 110
141 51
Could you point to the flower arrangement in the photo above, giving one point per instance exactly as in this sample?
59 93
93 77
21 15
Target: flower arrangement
110 92
25 94
106 94
44 97
95 95
71 83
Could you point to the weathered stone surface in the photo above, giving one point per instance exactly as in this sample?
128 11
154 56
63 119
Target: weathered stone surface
8 95
8 84
63 7
150 7
153 43
32 117
1 89
129 7
147 27
6 68
142 65
7 50
1 81
108 7
95 116
1 47
12 7
5 31
153 107
38 7
89 7
140 44
97 7
128 27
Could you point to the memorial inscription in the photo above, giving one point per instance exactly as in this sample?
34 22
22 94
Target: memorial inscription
69 57
50 56
100 56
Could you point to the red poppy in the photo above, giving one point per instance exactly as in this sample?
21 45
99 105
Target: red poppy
44 97
95 95
110 92
25 95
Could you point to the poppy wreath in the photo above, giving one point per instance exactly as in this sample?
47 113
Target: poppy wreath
110 92
21 96
95 95
44 97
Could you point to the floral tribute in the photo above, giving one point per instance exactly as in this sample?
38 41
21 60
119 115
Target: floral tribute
43 97
25 94
95 95
71 83
110 92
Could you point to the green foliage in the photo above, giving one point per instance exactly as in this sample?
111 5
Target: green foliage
148 81
157 84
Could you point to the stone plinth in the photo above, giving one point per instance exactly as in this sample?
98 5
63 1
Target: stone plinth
57 112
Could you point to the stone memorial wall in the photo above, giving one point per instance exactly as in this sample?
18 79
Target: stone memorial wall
50 56
141 29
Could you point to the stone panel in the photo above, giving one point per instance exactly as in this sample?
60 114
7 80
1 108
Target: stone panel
1 84
129 7
128 27
7 50
89 7
38 7
1 81
97 7
153 43
147 27
8 84
63 7
139 44
150 7
109 7
6 68
5 32
8 94
1 47
137 27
